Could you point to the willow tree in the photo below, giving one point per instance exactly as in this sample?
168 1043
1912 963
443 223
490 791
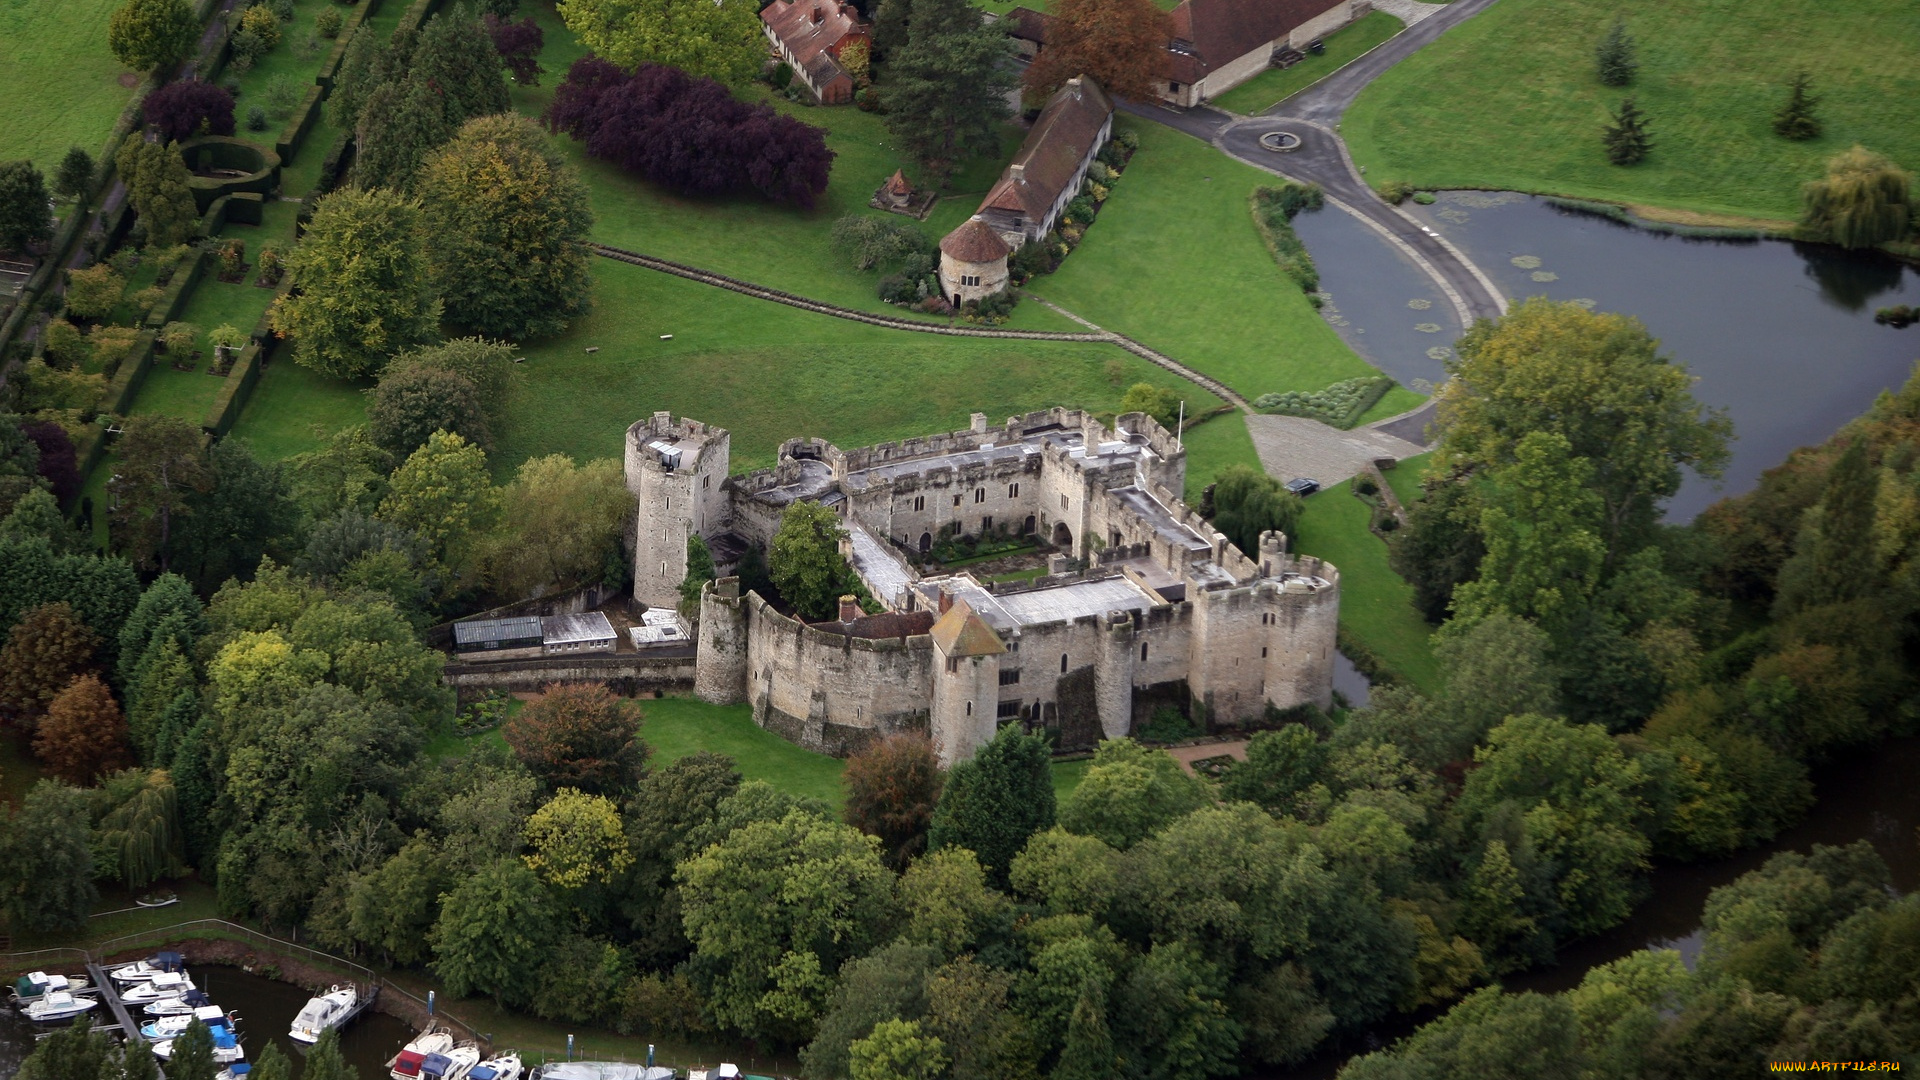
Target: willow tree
140 826
1865 199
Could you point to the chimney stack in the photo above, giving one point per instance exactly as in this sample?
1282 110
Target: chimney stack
1017 171
849 608
819 15
946 601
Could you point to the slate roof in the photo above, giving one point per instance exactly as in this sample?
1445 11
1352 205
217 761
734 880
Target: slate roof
793 23
1061 139
975 242
1027 25
1212 33
962 633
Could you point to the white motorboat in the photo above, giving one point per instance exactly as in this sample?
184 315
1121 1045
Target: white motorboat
236 1071
56 1005
178 1006
36 983
724 1071
605 1070
324 1011
498 1067
226 1044
171 1027
167 984
406 1064
452 1065
144 970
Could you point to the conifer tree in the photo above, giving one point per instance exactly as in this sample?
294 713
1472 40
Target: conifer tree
156 177
1795 120
24 217
1626 136
1614 58
947 85
75 174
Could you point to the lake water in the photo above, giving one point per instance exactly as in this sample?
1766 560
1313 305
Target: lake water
1781 335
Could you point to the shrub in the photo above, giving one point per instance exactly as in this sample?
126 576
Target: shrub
327 24
245 47
270 264
282 10
992 308
261 22
233 258
283 94
256 118
1394 191
181 110
1424 198
1156 401
688 134
93 292
869 100
782 75
1129 141
1168 725
180 337
65 346
231 84
1339 405
1031 261
1273 211
884 242
1080 211
225 336
519 46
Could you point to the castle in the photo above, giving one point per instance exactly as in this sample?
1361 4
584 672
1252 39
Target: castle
1147 602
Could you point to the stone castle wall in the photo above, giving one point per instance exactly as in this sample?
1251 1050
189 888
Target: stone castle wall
831 692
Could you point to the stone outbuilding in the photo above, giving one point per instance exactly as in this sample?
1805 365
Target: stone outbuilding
973 262
808 35
1219 44
1046 171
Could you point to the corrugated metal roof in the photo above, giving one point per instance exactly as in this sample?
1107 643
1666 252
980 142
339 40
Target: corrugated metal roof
514 628
565 629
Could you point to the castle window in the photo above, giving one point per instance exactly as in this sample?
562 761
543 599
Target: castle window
1009 710
1263 652
979 495
1063 663
706 481
1009 676
969 279
1143 652
663 569
669 502
1013 491
986 523
1063 502
953 665
919 503
969 708
956 500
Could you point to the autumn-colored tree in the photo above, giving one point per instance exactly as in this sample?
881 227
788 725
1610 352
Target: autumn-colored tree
83 734
580 735
892 786
1121 43
45 650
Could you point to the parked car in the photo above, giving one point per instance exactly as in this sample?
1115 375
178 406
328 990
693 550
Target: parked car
1302 486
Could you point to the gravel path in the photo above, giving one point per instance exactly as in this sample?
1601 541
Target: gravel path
1292 446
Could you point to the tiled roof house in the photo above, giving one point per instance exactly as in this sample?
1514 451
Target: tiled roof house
808 35
1046 171
1219 44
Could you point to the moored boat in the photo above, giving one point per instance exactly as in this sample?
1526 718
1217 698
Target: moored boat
56 1005
178 1006
451 1065
171 1027
167 984
324 1011
601 1070
236 1071
145 970
498 1067
36 983
226 1044
406 1064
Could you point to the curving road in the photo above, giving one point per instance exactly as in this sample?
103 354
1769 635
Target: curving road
1321 158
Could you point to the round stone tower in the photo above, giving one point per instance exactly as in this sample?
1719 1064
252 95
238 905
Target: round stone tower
973 262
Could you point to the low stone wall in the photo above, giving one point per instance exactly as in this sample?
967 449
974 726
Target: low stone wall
635 675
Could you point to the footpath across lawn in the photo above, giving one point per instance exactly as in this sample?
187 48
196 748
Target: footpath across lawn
1174 261
1509 100
1274 85
768 373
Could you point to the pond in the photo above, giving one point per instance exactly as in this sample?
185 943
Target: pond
266 1008
1781 335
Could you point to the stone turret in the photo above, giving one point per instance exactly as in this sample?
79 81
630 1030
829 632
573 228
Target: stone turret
677 471
1113 675
720 672
966 683
973 262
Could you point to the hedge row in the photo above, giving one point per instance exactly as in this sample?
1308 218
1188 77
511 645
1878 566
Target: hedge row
225 411
294 135
133 372
331 67
1340 405
175 298
262 333
241 208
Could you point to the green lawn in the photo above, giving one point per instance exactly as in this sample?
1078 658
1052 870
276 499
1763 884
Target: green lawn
1376 606
1067 776
1174 261
1405 477
1214 445
769 373
676 727
1509 100
749 238
295 409
1270 87
59 81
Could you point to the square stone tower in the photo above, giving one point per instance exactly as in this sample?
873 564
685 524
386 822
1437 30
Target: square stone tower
677 471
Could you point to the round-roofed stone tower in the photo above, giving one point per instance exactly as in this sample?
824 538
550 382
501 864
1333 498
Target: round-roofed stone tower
973 262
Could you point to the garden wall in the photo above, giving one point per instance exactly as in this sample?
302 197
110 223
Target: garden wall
632 674
225 411
328 69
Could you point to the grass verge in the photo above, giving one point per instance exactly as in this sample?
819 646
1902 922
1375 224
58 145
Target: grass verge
1376 605
1274 85
62 84
1509 100
676 727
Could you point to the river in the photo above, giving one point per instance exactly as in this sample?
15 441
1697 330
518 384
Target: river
1781 335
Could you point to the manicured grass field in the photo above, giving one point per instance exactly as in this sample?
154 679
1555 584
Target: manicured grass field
295 409
769 373
1405 477
1509 100
1214 445
676 727
1376 606
1174 261
59 83
1270 87
749 238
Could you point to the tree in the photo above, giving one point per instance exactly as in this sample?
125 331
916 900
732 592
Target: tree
1626 137
1130 792
402 122
46 876
444 495
1833 561
458 59
947 85
897 1051
192 1057
146 34
688 134
1795 119
1177 1017
325 1061
182 110
773 910
138 1063
889 983
576 839
1613 58
1248 502
73 1052
892 786
58 464
156 177
566 526
45 650
414 402
1596 379
1542 526
969 1012
1158 402
493 929
356 78
37 516
83 734
519 46
74 178
139 829
510 218
163 465
1865 199
1280 768
948 904
272 1064
1490 1034
1087 1052
366 294
805 563
995 800
870 242
245 513
392 909
93 292
700 570
1121 43
719 41
580 735
25 218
